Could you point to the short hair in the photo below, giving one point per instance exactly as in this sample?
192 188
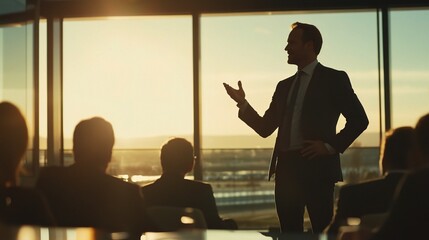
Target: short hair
398 149
93 141
13 139
422 135
310 33
177 155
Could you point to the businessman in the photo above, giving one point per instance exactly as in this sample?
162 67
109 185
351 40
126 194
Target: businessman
305 109
172 189
84 195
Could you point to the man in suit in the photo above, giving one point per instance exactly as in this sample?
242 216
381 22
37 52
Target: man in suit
83 195
172 189
305 109
376 196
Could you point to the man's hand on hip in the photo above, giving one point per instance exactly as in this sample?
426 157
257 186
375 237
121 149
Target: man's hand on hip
314 149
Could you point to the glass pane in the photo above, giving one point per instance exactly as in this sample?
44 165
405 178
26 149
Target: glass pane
16 76
250 48
137 74
410 65
12 6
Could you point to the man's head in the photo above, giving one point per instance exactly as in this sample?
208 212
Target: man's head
422 135
177 156
304 44
13 140
93 141
398 149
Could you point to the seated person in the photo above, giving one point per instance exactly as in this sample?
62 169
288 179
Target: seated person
375 196
19 205
172 189
83 195
409 216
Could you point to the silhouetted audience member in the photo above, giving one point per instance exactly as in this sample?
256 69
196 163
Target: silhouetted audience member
375 196
172 189
18 205
409 216
83 195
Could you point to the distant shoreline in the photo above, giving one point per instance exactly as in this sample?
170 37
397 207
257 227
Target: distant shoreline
367 139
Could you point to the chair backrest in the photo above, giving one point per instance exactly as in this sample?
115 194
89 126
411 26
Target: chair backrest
373 221
168 219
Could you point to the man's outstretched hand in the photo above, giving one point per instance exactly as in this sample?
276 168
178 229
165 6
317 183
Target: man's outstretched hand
237 94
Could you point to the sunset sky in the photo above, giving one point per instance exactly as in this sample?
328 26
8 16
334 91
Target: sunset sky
137 72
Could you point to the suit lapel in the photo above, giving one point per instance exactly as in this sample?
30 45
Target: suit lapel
285 95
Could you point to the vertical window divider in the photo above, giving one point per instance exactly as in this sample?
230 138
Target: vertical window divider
196 45
55 91
36 65
386 66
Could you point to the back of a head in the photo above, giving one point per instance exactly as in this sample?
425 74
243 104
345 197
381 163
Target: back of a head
422 135
13 140
93 141
310 33
177 156
398 149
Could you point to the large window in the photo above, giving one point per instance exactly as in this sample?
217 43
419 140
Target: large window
137 74
410 66
17 78
250 48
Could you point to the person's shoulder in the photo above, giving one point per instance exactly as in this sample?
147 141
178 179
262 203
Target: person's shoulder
47 174
121 188
198 184
52 170
150 186
285 81
119 182
328 70
282 84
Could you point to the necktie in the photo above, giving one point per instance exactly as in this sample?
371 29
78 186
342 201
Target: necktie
290 105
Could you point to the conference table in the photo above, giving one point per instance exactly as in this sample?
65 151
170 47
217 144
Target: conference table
41 233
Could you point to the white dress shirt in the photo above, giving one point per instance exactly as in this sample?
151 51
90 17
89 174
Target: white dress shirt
296 138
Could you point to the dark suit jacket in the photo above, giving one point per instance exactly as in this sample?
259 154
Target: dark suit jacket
409 216
82 198
328 95
24 206
371 197
174 191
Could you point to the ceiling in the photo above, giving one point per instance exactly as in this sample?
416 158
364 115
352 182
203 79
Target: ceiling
22 10
82 8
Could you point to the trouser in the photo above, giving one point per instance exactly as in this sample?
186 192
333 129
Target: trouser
297 186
